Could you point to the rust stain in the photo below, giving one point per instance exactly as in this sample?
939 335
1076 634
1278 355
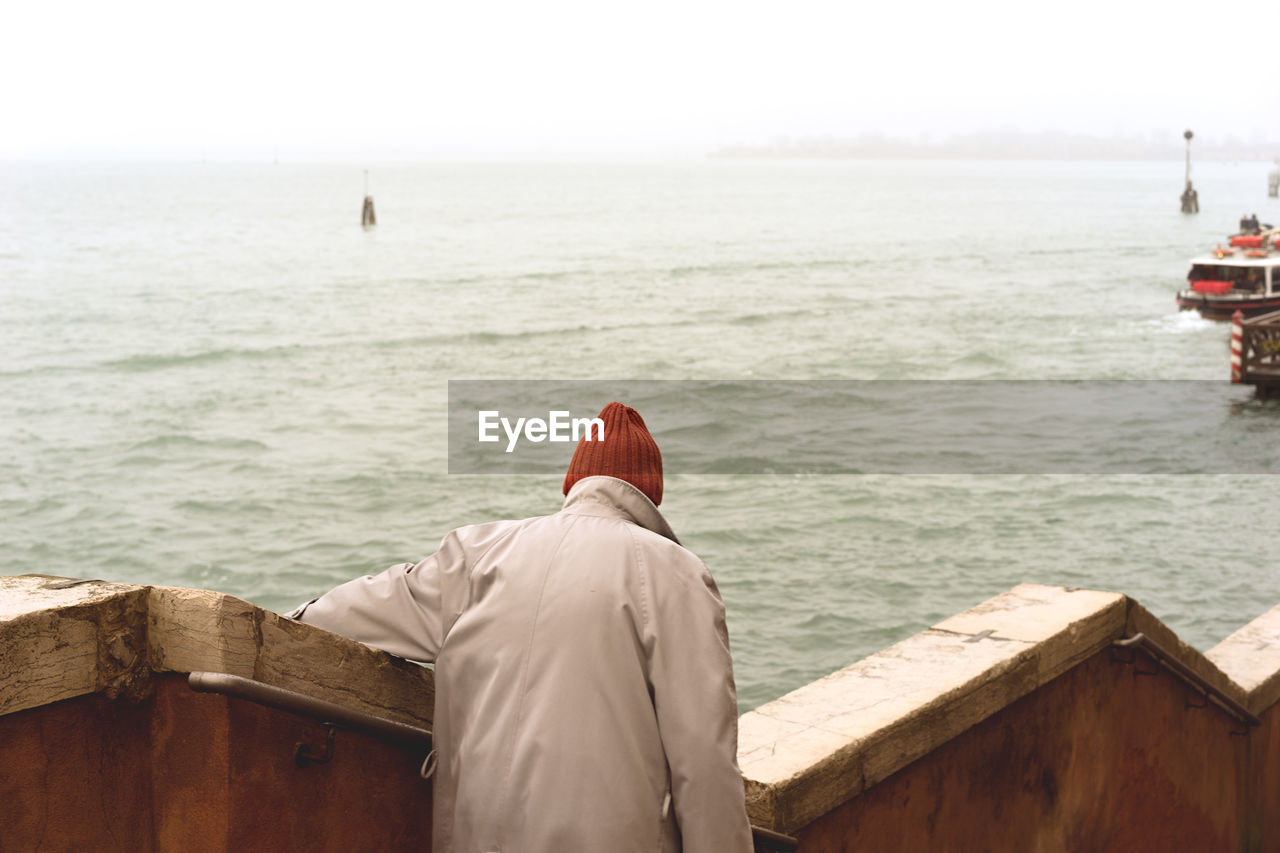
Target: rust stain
185 771
1096 760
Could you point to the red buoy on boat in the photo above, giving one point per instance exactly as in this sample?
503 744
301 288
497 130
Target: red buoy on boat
1211 286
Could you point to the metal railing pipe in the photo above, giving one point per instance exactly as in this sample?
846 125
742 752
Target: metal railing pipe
308 706
1165 659
328 712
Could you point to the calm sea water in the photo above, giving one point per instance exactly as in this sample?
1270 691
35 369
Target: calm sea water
213 377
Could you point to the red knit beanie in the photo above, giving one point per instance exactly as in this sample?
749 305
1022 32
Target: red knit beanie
628 452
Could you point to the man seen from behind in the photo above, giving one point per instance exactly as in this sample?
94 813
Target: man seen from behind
585 700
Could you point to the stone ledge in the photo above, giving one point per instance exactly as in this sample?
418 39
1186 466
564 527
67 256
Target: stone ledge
813 749
109 637
1250 658
817 747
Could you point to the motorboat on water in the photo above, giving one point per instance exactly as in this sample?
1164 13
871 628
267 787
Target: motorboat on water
1243 276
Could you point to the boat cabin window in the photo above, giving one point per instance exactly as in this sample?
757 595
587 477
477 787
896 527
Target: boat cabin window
1247 279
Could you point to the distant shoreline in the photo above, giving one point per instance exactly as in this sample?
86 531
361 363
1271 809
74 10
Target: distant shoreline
972 156
999 146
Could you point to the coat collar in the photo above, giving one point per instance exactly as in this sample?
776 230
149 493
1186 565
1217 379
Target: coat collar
609 496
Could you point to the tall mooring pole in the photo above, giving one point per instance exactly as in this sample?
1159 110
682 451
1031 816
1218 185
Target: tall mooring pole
1190 198
368 218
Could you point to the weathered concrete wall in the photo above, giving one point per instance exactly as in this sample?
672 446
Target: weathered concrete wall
1012 726
1017 726
189 771
1251 657
76 775
104 747
1262 819
1101 758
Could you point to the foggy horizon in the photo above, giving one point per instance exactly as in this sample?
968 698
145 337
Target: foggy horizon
573 79
987 144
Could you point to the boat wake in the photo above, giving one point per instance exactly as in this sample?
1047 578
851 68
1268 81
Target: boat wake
1183 322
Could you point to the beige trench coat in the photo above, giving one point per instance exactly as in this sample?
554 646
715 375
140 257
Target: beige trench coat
584 692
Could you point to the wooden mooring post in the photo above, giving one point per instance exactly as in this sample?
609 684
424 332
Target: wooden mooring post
368 218
1190 198
1255 352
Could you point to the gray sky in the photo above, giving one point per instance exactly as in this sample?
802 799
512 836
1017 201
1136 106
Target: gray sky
264 77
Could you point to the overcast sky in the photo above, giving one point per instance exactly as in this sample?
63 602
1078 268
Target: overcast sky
289 78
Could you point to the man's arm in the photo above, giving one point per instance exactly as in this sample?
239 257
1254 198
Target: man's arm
697 708
406 610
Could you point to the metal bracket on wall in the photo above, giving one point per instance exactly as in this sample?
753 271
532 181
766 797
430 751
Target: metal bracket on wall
1130 660
304 755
